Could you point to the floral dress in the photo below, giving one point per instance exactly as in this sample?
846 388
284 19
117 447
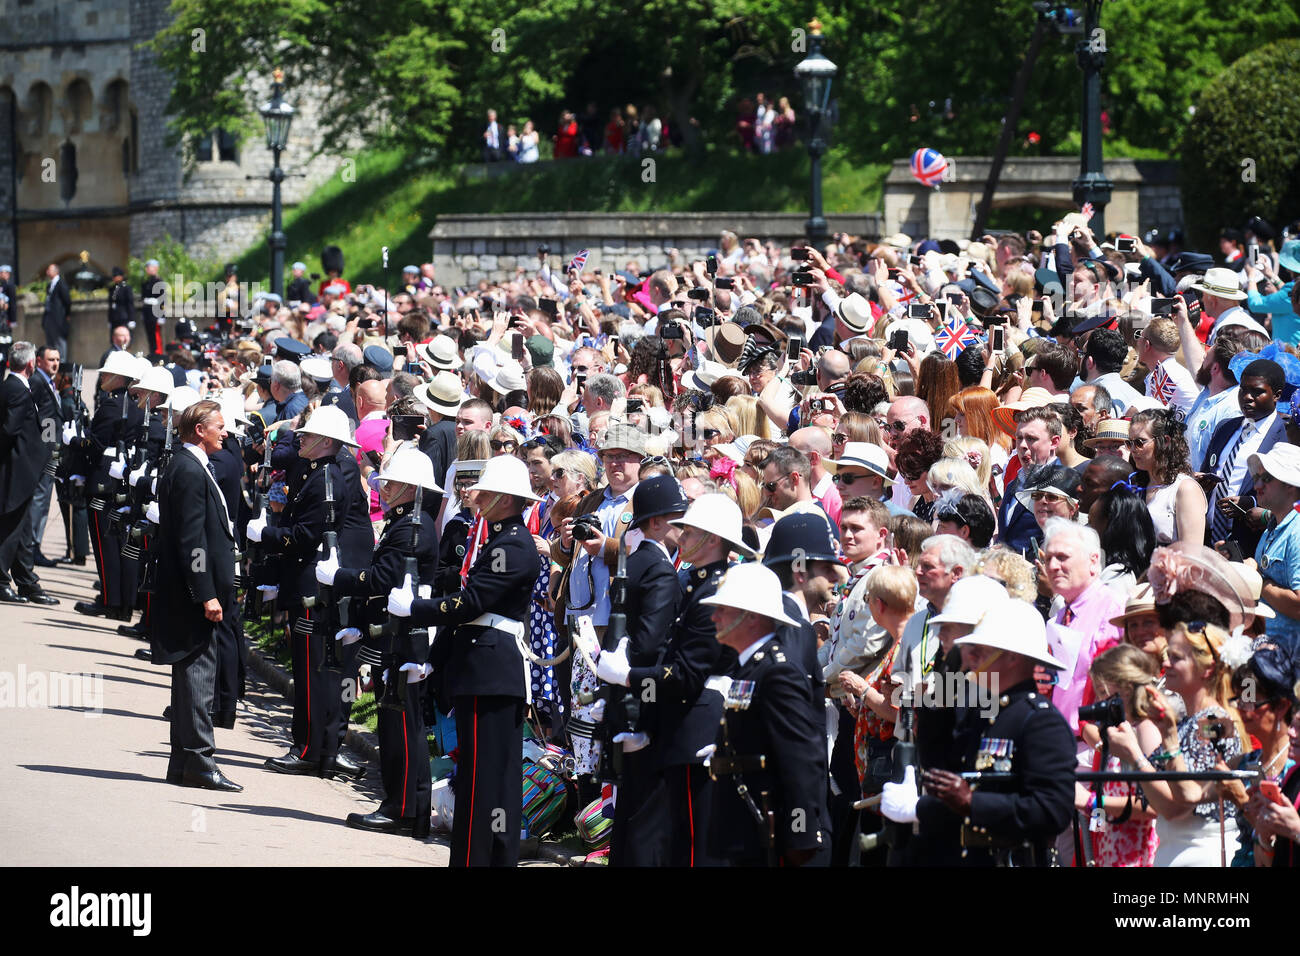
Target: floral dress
1131 843
873 736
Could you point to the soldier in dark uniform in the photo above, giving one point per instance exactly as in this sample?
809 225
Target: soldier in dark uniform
299 289
116 418
685 720
452 544
319 711
121 304
478 657
153 301
641 827
1013 816
403 749
770 762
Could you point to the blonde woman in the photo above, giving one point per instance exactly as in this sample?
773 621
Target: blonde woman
504 440
1012 571
948 473
976 454
750 419
713 427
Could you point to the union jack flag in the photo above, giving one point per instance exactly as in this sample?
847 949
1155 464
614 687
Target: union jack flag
1086 210
578 261
1162 386
955 337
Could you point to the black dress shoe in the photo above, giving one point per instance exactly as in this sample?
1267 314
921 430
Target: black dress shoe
9 596
132 630
291 763
339 764
38 596
78 562
378 823
167 712
90 608
211 780
41 561
177 778
144 653
120 613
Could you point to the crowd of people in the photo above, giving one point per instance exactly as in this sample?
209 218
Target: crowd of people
876 551
626 131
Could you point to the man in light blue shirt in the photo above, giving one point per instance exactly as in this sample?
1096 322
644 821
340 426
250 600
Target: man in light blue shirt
1217 401
1277 489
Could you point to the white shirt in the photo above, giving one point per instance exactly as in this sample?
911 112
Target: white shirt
1205 416
1252 436
1179 389
916 650
198 452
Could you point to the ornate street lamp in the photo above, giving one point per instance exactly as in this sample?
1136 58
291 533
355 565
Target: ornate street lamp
278 116
816 73
1092 186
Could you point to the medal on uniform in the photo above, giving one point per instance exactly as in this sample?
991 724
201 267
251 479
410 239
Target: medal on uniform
740 694
1003 762
984 759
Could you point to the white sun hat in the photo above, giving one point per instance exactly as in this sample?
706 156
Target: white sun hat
181 398
715 513
861 454
331 422
410 466
156 379
969 599
1015 626
507 475
751 587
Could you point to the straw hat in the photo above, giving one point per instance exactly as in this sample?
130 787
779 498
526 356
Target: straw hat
1223 283
861 454
1112 429
441 353
444 394
1004 415
1140 603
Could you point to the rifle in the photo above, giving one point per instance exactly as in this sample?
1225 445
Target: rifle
904 756
395 690
114 493
618 697
324 598
148 577
255 560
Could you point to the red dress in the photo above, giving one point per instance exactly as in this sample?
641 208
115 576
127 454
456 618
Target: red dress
566 141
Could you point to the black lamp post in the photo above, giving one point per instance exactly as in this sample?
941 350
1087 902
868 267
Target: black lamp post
278 115
816 72
1092 185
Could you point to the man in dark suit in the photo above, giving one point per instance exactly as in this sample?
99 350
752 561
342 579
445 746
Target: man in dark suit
477 654
50 410
153 302
641 825
23 454
771 747
58 305
196 590
1257 430
121 303
1038 436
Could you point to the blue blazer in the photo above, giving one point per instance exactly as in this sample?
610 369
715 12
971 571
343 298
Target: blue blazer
1218 444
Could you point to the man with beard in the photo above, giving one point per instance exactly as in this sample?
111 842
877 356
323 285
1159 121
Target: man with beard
1218 399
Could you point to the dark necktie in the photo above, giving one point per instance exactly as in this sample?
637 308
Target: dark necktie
213 472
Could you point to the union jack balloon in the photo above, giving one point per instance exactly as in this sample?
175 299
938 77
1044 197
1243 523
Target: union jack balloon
928 166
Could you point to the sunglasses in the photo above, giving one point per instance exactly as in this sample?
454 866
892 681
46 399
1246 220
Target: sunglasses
503 445
907 477
770 486
710 433
1263 478
558 473
655 460
846 479
897 427
1048 496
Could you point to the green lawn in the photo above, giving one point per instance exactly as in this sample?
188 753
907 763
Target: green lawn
394 200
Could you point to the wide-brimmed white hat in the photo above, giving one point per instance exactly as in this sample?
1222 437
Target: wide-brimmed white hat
861 454
441 353
1223 283
969 599
715 513
410 466
329 421
709 372
507 475
156 379
317 368
1282 461
443 394
754 588
1014 626
509 378
855 312
123 363
232 409
181 398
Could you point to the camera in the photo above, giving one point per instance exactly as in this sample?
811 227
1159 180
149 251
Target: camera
816 405
1125 244
898 340
406 427
699 295
918 310
586 527
1104 713
724 282
672 330
801 278
799 254
807 377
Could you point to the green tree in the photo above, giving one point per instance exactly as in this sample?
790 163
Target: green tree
1241 152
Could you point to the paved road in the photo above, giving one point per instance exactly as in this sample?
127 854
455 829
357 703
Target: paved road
84 786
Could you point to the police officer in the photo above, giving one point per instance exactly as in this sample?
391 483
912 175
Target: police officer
477 651
770 761
319 710
685 720
121 303
1012 816
103 450
153 301
403 752
653 596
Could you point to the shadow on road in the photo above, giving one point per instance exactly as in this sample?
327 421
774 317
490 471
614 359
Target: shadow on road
91 772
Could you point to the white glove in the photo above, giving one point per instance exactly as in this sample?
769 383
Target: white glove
151 513
401 599
424 592
134 478
612 667
718 684
255 529
706 751
153 486
161 321
598 710
325 570
131 324
898 800
349 635
632 742
416 672
125 509
269 591
117 469
69 432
